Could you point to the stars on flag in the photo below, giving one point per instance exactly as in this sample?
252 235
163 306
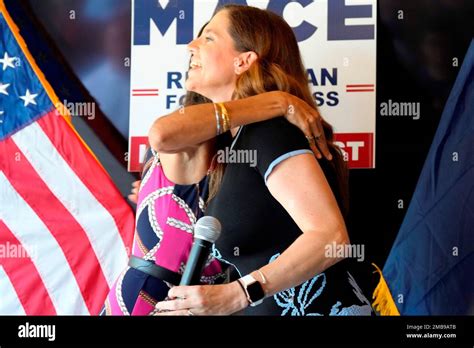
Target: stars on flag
29 98
7 61
3 88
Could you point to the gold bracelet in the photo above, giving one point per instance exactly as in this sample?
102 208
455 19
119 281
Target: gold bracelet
225 118
218 122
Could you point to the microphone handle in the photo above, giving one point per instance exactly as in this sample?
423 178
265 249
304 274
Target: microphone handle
196 262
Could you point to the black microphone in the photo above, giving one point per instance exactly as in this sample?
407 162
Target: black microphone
206 232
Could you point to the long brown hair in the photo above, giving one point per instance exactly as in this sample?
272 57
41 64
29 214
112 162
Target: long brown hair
279 67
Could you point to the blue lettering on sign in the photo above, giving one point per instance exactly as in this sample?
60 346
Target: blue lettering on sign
329 99
170 99
173 78
338 30
183 12
149 12
303 31
180 10
325 75
333 99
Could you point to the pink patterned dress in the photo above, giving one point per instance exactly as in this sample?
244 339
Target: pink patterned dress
166 214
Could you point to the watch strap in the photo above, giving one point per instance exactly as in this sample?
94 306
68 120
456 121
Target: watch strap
245 282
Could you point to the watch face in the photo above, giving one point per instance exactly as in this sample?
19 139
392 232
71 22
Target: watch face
255 291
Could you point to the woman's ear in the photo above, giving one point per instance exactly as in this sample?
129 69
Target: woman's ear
244 61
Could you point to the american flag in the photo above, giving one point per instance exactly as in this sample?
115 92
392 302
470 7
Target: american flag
65 230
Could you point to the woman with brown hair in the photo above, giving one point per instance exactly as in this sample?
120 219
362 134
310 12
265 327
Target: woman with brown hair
279 214
172 197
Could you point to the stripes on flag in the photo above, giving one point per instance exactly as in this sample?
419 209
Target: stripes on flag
51 263
9 296
56 200
73 237
80 202
30 291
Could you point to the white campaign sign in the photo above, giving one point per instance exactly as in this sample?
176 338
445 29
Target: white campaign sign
337 39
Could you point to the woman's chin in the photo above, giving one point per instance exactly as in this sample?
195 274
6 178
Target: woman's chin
190 87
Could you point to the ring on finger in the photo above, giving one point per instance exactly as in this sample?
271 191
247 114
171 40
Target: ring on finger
189 313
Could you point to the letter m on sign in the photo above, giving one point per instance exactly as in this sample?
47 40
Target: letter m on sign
146 11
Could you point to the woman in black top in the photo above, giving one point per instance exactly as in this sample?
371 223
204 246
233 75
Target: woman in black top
257 228
279 214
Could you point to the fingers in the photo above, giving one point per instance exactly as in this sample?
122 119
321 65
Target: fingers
322 144
173 305
181 298
315 150
173 313
320 141
310 122
181 291
133 196
136 183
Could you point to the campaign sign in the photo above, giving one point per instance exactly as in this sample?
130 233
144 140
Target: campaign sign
337 39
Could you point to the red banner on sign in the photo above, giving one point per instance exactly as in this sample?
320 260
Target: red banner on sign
358 149
138 146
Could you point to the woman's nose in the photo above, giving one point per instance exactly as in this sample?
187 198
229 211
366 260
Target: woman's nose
192 46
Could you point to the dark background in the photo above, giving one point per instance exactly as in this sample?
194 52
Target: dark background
415 63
